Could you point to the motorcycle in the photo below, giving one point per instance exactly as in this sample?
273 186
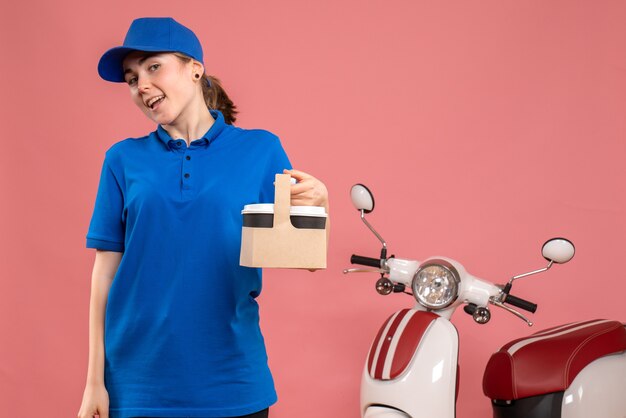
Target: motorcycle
571 371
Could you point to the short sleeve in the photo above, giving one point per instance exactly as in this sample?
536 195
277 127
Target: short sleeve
107 226
277 162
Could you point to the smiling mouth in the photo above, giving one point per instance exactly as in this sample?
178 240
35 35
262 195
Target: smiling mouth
153 103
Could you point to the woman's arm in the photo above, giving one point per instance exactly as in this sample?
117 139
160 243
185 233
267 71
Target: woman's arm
95 397
104 269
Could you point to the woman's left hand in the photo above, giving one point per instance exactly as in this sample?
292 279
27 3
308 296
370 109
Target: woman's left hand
308 191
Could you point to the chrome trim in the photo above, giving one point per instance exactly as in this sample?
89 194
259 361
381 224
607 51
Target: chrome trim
372 229
362 270
519 276
447 266
384 286
384 266
481 315
495 301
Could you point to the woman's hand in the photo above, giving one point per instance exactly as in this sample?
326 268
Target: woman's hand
308 191
95 401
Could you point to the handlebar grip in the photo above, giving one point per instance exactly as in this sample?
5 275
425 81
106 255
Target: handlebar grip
521 303
365 261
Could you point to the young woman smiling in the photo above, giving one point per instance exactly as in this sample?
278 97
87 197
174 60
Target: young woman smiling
174 322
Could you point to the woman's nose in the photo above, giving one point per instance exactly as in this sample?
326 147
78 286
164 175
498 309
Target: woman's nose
143 84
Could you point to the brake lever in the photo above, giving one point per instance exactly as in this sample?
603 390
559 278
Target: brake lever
495 301
362 270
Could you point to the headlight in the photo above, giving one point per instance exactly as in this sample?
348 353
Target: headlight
436 284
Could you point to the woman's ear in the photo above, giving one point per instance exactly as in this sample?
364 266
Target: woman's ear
197 70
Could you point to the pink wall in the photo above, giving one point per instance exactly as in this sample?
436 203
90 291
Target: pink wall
483 128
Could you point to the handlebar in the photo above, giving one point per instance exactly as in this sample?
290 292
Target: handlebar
365 261
521 303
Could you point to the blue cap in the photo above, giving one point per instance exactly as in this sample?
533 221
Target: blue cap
151 34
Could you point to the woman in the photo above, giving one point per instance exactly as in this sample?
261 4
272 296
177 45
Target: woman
180 318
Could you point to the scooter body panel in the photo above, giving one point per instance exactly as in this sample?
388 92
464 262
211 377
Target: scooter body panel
598 390
382 412
427 386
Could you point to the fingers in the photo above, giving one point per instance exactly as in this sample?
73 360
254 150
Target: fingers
297 174
300 188
308 191
303 202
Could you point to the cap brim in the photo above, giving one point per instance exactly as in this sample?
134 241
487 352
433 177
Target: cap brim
110 64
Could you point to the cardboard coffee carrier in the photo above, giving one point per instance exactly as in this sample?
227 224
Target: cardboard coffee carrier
272 240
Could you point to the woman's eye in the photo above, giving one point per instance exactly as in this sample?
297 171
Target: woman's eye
155 66
131 80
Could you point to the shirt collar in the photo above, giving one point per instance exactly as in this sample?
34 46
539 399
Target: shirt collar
205 140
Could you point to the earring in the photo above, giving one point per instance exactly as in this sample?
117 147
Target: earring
197 75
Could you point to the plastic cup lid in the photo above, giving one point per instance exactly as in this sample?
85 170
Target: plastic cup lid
260 208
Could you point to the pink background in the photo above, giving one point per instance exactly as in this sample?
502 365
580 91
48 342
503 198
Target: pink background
483 128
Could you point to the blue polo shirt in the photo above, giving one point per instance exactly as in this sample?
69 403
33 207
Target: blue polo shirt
182 336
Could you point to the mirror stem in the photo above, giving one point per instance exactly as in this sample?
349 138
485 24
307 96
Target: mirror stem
531 273
372 229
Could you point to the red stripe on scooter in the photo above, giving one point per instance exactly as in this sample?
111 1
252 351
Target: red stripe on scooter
409 341
378 373
550 331
370 359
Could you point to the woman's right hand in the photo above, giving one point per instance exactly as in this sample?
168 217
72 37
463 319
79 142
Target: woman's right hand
95 401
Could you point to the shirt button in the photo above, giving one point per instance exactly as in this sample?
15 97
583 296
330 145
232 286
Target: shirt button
178 144
186 175
188 158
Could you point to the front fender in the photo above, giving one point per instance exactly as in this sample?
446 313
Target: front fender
382 412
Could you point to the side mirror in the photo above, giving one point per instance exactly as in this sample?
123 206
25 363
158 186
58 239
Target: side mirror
555 250
362 198
558 250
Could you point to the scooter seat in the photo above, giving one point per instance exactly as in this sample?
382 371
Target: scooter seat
549 360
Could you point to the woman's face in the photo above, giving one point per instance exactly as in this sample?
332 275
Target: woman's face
161 85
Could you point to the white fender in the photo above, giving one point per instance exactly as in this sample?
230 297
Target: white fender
426 388
380 412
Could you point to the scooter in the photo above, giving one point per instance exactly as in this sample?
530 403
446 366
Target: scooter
571 371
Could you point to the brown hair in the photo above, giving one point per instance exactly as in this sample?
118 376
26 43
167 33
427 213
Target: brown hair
214 95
